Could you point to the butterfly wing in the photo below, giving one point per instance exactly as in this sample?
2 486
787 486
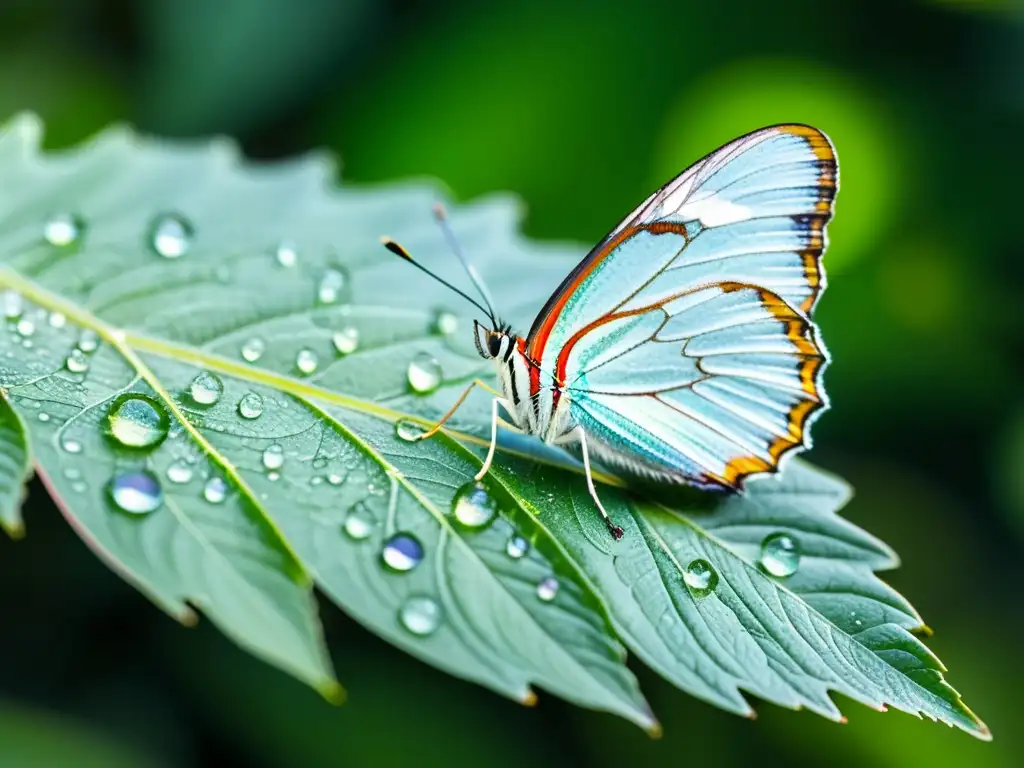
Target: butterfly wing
683 339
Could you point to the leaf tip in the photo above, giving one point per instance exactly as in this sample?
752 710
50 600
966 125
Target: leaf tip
332 691
187 617
14 528
528 699
654 730
923 631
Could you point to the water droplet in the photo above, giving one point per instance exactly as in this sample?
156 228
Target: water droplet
77 362
335 479
446 323
346 341
516 547
72 473
306 361
273 476
137 421
88 341
57 320
70 445
780 555
421 615
273 457
316 480
25 327
44 416
12 304
171 236
408 430
253 350
473 506
330 286
402 552
700 577
79 487
287 255
547 589
250 406
137 493
63 229
359 522
206 388
424 373
215 490
179 472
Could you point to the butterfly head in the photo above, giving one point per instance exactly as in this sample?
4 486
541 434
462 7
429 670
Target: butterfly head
491 343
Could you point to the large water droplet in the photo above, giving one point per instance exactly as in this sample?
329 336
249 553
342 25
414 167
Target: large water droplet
63 229
445 323
88 341
516 547
12 304
138 421
780 555
547 589
206 388
346 341
250 406
25 327
424 373
287 255
179 472
330 286
701 577
473 506
215 490
77 362
70 445
306 361
171 236
421 615
57 319
402 552
409 430
359 522
253 350
137 493
273 457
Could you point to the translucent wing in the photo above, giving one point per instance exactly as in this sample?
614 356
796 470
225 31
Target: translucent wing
684 336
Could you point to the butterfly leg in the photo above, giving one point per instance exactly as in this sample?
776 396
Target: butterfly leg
437 427
613 529
494 439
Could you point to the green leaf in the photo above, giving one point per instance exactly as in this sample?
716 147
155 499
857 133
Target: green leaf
14 468
250 314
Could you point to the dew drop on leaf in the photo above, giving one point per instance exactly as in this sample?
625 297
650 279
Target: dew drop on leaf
547 589
273 457
408 430
473 506
179 472
250 406
77 362
346 341
424 373
516 547
421 615
12 304
206 388
171 236
780 555
70 445
57 319
445 323
287 255
25 327
306 361
359 522
137 492
701 577
253 349
63 230
330 286
215 490
137 421
44 416
335 479
402 552
88 341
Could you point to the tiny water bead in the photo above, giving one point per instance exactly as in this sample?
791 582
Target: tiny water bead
424 373
287 254
700 577
138 421
473 506
402 552
25 327
57 319
171 236
330 286
215 490
77 362
250 406
180 472
88 341
409 430
63 230
13 305
253 349
547 589
346 341
306 361
421 615
359 523
335 479
273 457
206 388
70 445
516 547
780 555
446 324
137 493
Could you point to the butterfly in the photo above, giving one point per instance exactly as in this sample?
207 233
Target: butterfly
681 348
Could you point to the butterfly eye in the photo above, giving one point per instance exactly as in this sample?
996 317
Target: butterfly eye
494 344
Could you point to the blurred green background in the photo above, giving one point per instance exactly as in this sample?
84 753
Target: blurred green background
582 109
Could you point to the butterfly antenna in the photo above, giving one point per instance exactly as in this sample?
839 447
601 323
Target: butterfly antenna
442 219
398 250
